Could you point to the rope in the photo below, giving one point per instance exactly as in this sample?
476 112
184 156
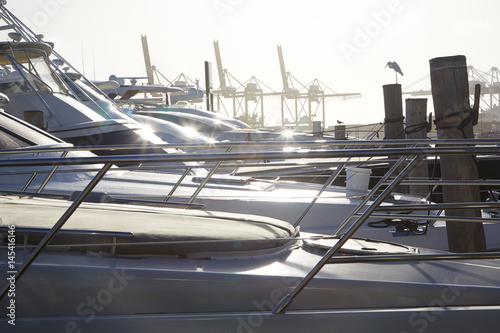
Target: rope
394 119
416 128
460 126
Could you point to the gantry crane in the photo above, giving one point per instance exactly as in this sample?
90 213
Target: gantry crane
191 92
246 98
308 99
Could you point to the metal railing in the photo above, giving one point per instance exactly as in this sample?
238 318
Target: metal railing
322 153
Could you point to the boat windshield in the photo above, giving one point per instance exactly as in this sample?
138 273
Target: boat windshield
34 70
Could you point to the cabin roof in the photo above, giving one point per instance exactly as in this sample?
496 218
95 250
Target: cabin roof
23 51
180 232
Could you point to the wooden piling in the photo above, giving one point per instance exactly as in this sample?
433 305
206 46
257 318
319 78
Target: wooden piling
209 86
340 132
393 106
416 128
394 121
454 120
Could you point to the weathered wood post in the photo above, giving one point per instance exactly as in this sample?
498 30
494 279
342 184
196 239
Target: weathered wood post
416 128
454 120
394 120
340 132
393 106
209 86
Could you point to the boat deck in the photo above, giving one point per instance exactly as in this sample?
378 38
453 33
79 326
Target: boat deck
143 230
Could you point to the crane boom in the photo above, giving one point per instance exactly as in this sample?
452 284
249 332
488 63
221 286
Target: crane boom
284 76
220 69
147 60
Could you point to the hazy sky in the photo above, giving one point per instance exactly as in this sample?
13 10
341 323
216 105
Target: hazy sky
345 44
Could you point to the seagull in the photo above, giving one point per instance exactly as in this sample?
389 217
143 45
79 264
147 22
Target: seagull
394 65
339 122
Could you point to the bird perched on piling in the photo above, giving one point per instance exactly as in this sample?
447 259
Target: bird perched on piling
394 65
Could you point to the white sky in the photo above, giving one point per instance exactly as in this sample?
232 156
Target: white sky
345 44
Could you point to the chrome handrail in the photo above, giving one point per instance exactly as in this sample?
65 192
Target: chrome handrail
51 173
418 154
60 223
215 157
287 300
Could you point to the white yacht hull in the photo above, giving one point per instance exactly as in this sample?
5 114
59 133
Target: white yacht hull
83 281
420 319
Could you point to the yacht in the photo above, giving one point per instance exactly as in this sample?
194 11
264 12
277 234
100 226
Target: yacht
172 185
71 265
315 208
38 95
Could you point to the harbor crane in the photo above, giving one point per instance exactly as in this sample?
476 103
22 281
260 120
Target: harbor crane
307 100
247 97
147 60
189 91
